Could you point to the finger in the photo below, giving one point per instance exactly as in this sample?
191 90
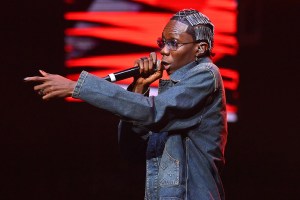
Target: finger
153 77
52 95
47 97
146 66
48 89
159 71
151 64
40 87
34 79
141 65
153 57
43 72
158 66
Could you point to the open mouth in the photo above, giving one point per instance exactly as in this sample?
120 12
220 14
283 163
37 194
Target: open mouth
165 65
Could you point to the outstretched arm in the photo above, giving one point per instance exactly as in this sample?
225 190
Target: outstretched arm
55 86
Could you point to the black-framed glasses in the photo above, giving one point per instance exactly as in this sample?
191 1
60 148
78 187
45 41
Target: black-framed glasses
172 45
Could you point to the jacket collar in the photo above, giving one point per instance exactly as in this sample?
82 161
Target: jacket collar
179 73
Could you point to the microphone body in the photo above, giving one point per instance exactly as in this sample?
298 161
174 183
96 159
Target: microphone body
124 74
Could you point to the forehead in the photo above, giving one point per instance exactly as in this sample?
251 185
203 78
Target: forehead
175 29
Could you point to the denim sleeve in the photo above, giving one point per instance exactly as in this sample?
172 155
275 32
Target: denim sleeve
179 107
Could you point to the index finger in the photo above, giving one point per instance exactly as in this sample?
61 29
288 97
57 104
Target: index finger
34 78
153 57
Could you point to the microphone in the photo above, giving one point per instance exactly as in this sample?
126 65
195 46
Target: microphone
124 74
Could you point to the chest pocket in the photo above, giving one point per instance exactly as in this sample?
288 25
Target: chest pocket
168 174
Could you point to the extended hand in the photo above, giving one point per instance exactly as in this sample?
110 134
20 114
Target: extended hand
52 85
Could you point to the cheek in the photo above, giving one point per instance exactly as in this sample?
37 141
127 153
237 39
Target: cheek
180 59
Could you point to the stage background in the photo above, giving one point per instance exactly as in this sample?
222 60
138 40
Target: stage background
56 150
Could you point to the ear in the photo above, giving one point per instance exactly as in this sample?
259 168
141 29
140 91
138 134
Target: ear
202 48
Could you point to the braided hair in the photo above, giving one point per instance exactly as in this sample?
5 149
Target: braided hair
199 26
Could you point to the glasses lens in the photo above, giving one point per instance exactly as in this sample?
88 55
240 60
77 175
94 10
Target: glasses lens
172 44
160 43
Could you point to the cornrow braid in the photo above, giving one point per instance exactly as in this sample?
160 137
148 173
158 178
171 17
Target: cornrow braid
199 25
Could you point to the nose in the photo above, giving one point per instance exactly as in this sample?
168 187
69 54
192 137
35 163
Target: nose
165 50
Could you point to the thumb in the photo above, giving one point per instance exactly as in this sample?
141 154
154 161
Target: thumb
158 65
158 74
43 72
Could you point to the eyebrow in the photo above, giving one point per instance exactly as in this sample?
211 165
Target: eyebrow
173 36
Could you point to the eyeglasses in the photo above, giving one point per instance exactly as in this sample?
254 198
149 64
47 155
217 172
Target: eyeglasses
172 45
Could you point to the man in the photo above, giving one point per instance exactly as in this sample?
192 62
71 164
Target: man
184 126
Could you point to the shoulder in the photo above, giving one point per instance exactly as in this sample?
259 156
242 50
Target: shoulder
205 65
207 72
207 68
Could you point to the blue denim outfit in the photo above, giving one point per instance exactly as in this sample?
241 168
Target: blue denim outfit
184 127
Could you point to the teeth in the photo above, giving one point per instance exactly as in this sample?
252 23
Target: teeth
166 66
164 63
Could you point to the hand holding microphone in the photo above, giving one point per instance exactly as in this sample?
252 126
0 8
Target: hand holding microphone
148 69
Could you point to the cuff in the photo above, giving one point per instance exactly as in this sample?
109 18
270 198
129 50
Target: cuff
80 81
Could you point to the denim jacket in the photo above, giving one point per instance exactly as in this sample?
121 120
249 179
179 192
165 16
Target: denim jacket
184 127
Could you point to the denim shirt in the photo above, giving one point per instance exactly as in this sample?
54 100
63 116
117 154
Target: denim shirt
184 128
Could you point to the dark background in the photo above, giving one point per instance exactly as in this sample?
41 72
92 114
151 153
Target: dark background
58 150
